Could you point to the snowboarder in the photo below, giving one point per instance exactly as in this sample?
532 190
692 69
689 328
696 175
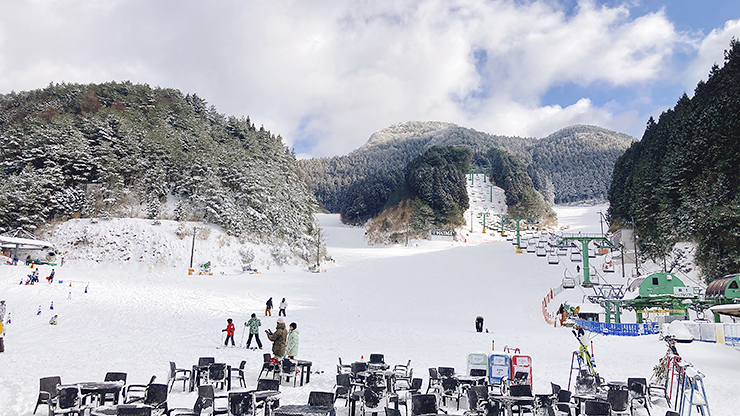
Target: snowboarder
2 310
229 332
479 324
268 307
278 339
283 306
254 329
53 320
291 344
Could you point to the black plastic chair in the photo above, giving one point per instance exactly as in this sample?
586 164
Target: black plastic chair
217 374
113 376
47 391
563 401
638 389
242 404
203 366
358 367
446 372
434 380
68 401
618 400
377 359
137 392
265 384
156 396
343 387
389 411
423 404
343 368
451 390
195 411
321 398
522 390
210 399
131 410
267 366
597 408
288 370
239 373
178 374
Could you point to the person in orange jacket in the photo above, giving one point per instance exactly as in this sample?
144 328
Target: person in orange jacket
229 332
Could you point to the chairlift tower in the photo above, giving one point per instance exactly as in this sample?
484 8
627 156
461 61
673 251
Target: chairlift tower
584 239
518 220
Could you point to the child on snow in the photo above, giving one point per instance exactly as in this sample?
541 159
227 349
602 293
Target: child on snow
229 332
53 320
283 306
254 329
291 345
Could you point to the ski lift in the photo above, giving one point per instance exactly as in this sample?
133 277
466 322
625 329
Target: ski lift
575 255
542 252
608 267
553 258
562 251
531 246
591 253
523 243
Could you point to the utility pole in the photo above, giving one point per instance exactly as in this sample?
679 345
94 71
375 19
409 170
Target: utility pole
318 247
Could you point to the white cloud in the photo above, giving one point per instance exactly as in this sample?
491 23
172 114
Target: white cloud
710 51
329 74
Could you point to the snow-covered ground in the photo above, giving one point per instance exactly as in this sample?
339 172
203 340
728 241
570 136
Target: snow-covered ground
417 302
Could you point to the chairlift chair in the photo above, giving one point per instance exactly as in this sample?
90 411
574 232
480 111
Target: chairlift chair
553 259
541 252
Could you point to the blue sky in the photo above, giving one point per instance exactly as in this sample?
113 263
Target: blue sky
325 75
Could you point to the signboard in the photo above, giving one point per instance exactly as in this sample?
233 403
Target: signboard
683 292
441 235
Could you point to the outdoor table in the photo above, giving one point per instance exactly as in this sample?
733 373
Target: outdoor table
304 366
580 400
508 402
267 396
304 410
114 410
98 389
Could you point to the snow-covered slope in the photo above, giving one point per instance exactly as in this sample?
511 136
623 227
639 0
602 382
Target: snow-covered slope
417 302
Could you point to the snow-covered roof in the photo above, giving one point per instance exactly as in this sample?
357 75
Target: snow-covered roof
23 243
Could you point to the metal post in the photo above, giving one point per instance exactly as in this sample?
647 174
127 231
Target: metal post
484 222
192 249
586 268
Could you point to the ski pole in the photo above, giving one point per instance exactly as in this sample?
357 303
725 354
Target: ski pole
242 341
223 334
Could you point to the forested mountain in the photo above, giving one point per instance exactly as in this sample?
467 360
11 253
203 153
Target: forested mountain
115 149
572 164
681 181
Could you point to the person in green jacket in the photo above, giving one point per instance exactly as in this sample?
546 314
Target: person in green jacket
291 345
254 328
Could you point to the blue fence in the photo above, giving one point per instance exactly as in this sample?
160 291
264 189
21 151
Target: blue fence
624 330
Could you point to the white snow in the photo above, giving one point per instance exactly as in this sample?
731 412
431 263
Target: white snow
417 302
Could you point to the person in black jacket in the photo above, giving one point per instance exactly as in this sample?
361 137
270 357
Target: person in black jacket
268 307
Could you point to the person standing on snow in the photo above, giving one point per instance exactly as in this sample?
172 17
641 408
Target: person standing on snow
51 276
283 306
268 307
291 344
254 330
278 339
229 332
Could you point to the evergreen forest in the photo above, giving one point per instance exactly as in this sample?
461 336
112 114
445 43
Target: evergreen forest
681 181
129 150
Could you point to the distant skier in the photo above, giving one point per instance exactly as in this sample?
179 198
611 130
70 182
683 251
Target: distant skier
278 339
283 306
479 324
254 329
268 307
53 320
229 332
291 344
51 276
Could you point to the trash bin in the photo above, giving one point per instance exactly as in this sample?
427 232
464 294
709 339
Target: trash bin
479 324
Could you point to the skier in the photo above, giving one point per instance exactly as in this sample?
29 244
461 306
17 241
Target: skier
229 332
283 306
278 339
53 320
254 329
291 344
268 307
2 310
51 276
